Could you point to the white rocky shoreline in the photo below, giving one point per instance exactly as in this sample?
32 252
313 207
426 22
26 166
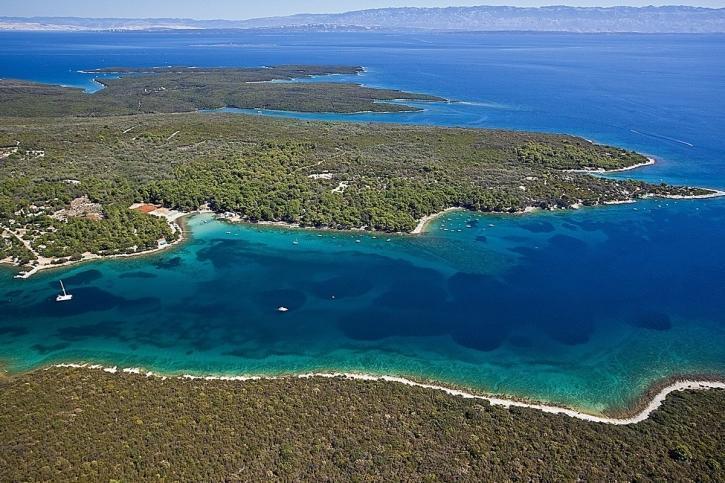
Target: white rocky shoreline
643 414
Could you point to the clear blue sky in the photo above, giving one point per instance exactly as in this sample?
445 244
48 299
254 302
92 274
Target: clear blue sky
243 9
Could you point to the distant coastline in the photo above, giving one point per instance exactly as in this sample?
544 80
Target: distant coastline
485 18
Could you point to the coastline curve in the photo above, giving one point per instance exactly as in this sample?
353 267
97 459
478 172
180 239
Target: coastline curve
643 414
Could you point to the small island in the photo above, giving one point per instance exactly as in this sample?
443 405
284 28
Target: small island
188 89
73 164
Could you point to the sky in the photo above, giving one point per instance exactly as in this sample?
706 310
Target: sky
244 9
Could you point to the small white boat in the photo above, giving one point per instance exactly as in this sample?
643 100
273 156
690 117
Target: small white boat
295 242
65 296
282 309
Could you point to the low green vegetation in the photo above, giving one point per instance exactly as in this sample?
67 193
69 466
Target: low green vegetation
88 425
182 89
29 210
337 175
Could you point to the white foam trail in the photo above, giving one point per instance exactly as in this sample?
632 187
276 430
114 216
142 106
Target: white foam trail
660 136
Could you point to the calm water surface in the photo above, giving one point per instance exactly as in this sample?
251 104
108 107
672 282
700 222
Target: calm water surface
582 308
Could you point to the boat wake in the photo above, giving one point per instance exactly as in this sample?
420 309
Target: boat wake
660 136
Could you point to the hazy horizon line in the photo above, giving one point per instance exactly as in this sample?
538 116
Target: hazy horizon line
541 7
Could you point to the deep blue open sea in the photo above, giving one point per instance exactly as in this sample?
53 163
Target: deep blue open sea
584 308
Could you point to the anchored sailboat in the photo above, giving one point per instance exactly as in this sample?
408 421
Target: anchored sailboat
65 296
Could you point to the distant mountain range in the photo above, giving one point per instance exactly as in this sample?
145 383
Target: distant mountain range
674 19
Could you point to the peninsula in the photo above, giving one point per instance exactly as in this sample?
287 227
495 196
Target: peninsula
72 163
186 89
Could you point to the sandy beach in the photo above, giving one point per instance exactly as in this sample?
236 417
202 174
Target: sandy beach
655 402
427 219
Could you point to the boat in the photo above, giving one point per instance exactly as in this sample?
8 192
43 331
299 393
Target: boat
282 309
65 296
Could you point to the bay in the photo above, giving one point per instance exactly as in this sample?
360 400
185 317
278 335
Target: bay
585 308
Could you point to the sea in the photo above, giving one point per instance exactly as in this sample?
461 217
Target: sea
586 309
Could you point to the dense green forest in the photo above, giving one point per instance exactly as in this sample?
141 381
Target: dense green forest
181 89
27 206
335 175
381 177
88 425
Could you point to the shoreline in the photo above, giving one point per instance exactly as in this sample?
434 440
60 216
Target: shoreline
651 400
649 162
173 219
715 194
423 222
421 228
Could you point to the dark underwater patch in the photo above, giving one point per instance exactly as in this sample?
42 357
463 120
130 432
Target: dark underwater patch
343 286
139 274
567 242
168 263
13 331
588 225
380 324
538 227
652 321
481 238
105 330
47 349
82 278
525 251
13 293
88 299
223 253
139 306
469 288
483 337
154 339
413 297
516 238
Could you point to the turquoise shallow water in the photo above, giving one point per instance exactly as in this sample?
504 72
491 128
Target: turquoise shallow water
582 308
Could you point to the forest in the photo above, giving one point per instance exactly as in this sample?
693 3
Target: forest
63 424
381 177
134 141
181 89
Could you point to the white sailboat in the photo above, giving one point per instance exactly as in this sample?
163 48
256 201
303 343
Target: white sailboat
65 296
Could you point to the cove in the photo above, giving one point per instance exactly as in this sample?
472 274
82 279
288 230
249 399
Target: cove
585 309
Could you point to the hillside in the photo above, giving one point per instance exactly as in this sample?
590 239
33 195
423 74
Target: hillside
89 425
669 19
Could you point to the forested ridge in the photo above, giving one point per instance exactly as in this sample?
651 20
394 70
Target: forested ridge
319 174
185 89
60 146
78 424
